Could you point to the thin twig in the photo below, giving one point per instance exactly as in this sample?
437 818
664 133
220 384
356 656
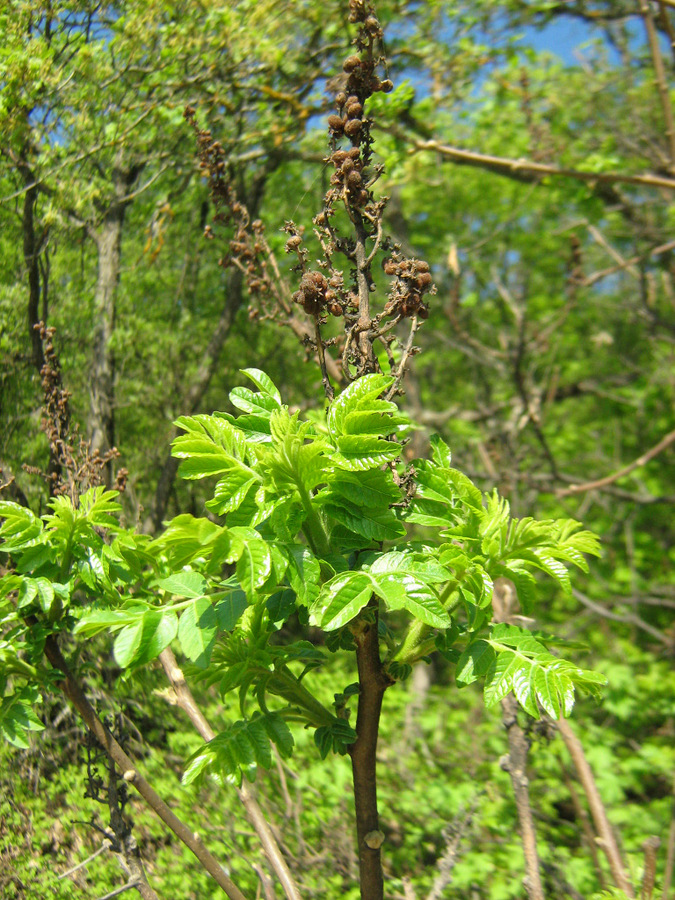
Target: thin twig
670 851
185 699
106 845
607 840
650 846
407 351
628 618
73 690
610 479
120 890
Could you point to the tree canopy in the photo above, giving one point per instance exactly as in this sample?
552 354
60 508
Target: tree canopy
436 239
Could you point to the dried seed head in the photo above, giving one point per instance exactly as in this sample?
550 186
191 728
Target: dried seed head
423 281
357 10
354 182
353 128
353 108
373 26
351 63
387 86
338 157
293 243
340 99
335 124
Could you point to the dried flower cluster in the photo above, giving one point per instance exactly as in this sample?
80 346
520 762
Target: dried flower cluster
328 288
73 467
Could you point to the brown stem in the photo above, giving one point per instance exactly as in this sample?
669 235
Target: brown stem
516 765
185 699
609 479
125 845
607 839
373 682
650 846
582 815
192 840
320 352
367 362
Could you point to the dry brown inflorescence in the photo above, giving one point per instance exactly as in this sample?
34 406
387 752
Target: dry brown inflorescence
340 284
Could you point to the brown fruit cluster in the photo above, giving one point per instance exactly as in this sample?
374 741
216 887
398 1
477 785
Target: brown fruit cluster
312 293
412 281
348 175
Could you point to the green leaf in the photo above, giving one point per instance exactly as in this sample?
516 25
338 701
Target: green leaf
145 639
253 403
18 718
340 600
358 452
254 565
197 628
229 609
361 394
184 584
440 451
241 747
264 383
474 662
231 490
304 574
404 591
374 525
20 529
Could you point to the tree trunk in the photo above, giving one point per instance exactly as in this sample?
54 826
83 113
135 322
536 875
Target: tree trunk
108 239
234 295
373 682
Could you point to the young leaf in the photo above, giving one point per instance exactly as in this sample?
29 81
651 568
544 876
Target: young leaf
264 383
340 600
145 639
197 628
403 591
184 584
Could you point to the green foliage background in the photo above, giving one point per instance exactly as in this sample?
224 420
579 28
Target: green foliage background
536 373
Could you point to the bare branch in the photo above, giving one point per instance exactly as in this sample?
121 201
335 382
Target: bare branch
610 479
660 80
607 840
73 690
529 171
185 699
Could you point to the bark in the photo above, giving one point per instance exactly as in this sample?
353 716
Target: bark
125 846
31 256
505 605
373 682
33 247
108 239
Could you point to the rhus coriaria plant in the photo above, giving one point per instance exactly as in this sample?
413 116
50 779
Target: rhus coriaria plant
316 520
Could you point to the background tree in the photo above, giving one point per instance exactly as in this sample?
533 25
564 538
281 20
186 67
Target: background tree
555 298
